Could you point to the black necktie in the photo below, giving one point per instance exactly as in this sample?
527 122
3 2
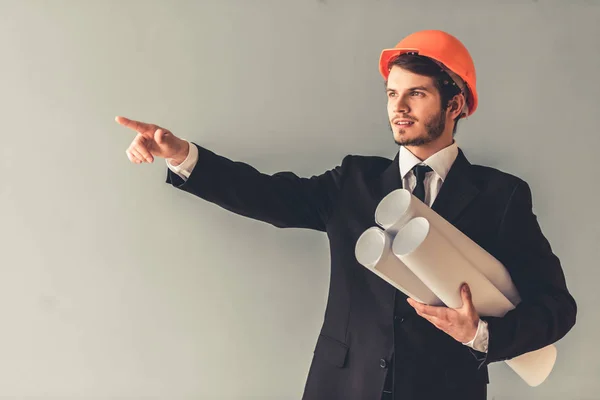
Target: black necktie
420 171
401 306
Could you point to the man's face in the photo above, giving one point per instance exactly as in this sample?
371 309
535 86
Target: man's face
414 108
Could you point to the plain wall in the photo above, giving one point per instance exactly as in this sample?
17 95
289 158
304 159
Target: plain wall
115 285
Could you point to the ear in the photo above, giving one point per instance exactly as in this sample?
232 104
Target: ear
456 106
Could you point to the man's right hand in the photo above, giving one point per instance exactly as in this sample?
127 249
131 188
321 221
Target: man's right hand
153 141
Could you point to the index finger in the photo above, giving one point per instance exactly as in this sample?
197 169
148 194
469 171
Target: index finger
434 311
140 127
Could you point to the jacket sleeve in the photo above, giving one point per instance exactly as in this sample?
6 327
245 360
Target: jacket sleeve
547 310
282 199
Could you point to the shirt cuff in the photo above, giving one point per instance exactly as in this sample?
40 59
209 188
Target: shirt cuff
184 170
481 339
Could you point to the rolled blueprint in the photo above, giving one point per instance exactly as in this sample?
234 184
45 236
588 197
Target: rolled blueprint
400 206
374 251
436 262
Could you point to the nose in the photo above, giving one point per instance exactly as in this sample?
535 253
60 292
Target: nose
401 105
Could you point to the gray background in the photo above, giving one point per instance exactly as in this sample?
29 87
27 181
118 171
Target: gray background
114 285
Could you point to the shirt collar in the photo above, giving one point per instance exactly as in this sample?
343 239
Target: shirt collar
440 162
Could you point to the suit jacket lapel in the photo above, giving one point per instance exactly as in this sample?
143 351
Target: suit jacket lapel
390 179
455 195
457 191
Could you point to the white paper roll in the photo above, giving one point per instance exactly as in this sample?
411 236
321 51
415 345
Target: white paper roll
374 251
400 206
535 366
442 268
436 261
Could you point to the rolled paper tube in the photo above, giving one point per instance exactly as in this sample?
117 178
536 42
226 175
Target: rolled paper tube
373 251
400 206
535 366
442 268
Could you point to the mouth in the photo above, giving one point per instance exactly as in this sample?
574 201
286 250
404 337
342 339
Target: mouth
404 123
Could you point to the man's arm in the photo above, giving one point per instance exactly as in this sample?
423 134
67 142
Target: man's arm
282 199
547 310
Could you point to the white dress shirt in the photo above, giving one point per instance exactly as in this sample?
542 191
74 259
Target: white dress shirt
440 163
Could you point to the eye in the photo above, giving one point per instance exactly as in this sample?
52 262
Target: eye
391 94
415 93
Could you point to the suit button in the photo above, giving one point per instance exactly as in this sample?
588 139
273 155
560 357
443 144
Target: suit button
383 363
399 319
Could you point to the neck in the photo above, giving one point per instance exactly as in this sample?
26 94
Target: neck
423 152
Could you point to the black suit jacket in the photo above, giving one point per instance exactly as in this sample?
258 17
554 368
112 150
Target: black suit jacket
356 342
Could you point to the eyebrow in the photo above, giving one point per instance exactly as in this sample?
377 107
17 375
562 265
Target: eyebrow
411 89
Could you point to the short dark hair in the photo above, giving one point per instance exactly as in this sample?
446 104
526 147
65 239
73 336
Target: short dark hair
425 66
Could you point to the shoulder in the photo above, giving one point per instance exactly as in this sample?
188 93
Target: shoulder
482 172
501 183
364 167
366 163
483 175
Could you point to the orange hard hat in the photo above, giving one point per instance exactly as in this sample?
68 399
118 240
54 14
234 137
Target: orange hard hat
443 48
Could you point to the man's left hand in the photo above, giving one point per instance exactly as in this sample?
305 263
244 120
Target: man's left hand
460 323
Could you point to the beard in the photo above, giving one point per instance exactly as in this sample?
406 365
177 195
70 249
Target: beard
434 127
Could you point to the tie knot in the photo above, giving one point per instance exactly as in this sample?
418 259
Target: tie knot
420 171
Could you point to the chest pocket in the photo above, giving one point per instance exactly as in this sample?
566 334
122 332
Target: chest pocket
331 350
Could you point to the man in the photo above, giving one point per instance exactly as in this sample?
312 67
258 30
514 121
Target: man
375 343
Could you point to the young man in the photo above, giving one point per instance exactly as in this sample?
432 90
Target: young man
375 343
